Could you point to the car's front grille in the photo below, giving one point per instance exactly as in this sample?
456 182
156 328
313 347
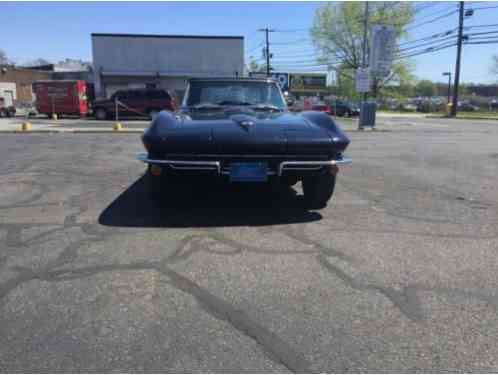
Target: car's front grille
221 163
242 158
227 159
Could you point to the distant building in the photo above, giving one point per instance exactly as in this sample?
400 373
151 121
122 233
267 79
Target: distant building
68 69
123 61
16 83
72 65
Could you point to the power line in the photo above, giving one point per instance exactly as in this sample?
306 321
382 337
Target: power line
292 42
291 30
255 48
480 8
483 33
293 56
428 43
425 51
483 42
250 36
445 9
479 26
307 65
432 20
434 36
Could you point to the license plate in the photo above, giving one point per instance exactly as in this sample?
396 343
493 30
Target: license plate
248 172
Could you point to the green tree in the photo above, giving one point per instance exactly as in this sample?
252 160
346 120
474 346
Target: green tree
255 67
337 34
494 66
425 87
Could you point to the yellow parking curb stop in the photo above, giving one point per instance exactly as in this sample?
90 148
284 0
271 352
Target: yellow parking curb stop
26 126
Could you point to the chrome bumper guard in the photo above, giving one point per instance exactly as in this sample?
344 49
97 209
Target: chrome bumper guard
216 165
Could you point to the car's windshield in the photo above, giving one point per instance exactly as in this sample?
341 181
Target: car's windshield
234 93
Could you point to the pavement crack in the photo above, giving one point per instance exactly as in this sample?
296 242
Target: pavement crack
220 309
405 300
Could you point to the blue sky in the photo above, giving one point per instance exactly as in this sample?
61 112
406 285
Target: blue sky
58 30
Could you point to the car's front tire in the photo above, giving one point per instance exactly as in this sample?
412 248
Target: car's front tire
318 190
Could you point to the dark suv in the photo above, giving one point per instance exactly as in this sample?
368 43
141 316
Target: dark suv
343 108
143 102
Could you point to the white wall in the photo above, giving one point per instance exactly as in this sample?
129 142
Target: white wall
8 86
165 56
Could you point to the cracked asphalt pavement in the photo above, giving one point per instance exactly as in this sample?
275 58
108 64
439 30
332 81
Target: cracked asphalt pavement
397 274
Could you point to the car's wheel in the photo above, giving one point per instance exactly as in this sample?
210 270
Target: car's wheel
318 190
347 113
156 185
152 113
100 114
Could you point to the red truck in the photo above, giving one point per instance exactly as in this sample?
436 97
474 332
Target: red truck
62 97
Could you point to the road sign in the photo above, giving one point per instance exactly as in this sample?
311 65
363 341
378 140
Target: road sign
308 82
362 80
382 50
282 80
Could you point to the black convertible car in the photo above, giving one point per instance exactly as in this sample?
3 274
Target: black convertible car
241 131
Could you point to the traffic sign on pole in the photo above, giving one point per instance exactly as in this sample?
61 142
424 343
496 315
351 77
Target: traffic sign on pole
382 50
362 80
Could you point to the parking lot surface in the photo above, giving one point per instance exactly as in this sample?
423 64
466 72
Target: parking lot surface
398 273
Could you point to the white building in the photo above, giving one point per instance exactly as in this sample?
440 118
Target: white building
123 61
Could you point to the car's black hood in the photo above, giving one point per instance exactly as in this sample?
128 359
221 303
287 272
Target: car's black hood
242 132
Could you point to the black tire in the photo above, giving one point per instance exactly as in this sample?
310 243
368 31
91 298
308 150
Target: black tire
155 185
318 190
347 113
101 114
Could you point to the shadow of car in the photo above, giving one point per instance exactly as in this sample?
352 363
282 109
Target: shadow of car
207 205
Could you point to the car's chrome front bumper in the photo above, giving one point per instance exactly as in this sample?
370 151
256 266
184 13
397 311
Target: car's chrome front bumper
216 166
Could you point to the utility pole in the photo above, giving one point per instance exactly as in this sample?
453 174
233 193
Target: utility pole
267 49
449 85
364 54
457 66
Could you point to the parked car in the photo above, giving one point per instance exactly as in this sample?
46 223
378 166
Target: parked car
343 108
321 108
6 110
62 97
467 107
142 102
407 107
239 130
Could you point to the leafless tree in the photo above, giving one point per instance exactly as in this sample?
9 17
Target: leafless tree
3 58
